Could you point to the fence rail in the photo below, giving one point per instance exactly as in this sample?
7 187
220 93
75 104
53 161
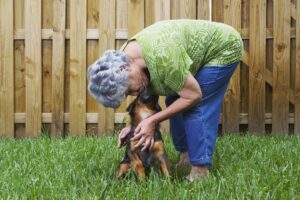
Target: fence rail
46 47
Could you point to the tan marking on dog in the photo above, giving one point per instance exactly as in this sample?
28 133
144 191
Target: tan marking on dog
158 150
138 166
124 167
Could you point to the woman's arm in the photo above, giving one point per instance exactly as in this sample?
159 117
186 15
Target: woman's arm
189 95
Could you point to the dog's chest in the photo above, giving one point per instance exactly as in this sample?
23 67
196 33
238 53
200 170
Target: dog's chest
145 113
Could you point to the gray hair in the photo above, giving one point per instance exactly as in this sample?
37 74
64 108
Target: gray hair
107 81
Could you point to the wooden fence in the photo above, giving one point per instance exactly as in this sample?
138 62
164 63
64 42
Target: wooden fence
47 45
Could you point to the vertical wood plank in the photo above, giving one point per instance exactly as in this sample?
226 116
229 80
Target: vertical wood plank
257 63
19 66
107 35
297 73
47 23
162 10
217 10
188 9
175 9
58 67
136 16
33 67
203 9
78 67
231 103
281 67
6 69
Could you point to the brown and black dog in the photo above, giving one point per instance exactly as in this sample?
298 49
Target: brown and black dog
145 105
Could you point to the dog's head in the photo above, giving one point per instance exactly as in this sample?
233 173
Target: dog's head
145 105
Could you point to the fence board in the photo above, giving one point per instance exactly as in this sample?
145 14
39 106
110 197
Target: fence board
78 67
6 69
19 66
33 67
297 72
47 22
58 67
217 10
231 103
187 9
106 41
281 70
203 9
257 63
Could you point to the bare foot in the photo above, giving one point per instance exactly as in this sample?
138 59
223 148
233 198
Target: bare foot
183 160
197 172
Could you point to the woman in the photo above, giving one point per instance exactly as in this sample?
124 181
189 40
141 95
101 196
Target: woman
189 61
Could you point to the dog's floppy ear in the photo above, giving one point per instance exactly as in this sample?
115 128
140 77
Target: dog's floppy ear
157 107
131 107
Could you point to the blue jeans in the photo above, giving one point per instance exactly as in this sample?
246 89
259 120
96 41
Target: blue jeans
196 130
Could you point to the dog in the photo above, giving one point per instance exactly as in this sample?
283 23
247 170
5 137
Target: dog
145 105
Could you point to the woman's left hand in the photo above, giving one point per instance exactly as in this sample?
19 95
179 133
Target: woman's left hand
144 133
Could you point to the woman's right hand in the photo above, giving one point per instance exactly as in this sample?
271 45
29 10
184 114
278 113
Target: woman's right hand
123 135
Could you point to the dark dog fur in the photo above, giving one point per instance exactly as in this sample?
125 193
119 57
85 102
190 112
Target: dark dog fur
142 107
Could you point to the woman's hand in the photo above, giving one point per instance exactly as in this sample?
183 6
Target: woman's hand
123 135
144 133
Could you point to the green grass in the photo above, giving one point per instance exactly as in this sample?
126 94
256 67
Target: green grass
245 167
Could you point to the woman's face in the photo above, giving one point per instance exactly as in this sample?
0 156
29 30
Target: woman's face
138 81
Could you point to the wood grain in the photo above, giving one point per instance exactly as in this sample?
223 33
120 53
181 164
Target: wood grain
203 9
297 73
33 65
78 67
6 69
58 67
257 63
281 69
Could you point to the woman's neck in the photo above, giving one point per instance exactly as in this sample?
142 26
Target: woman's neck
134 53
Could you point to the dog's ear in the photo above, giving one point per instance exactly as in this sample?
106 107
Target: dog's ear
131 107
157 107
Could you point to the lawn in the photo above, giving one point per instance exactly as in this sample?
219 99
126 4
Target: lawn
245 167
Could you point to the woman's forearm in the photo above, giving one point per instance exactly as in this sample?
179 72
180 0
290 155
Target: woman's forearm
180 105
189 95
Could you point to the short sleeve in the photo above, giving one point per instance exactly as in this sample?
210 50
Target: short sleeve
173 64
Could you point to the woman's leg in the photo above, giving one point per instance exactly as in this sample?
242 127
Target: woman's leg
201 121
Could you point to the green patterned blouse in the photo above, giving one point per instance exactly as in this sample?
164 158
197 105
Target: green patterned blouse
173 48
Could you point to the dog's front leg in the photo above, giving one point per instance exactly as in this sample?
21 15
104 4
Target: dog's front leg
137 164
124 166
158 150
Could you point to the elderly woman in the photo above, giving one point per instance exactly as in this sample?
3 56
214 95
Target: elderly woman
189 61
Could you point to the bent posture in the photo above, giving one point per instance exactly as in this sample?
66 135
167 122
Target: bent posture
189 61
